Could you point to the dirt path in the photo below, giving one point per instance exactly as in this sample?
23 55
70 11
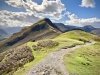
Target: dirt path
53 63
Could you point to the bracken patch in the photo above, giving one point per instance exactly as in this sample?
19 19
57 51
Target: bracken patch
14 58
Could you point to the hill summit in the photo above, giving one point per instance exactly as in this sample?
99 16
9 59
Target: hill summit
43 29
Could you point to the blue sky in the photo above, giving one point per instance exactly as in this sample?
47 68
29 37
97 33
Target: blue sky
69 12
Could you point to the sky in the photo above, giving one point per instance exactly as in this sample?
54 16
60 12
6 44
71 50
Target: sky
70 12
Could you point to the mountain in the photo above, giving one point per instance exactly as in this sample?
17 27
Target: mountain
70 27
13 30
61 26
33 41
41 30
3 34
88 28
92 30
65 28
96 31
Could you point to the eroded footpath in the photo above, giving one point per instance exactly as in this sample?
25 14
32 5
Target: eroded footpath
53 63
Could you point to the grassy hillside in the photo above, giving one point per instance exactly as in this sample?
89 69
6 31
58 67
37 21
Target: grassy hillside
85 60
89 36
64 40
41 48
43 29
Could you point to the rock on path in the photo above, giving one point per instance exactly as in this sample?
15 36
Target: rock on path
53 63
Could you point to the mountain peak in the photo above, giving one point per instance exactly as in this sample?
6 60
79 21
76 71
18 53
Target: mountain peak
89 26
46 19
50 23
43 29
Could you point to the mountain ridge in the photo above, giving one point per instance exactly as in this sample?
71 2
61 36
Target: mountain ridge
41 30
86 28
39 40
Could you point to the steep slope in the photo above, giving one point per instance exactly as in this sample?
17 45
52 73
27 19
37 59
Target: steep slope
41 30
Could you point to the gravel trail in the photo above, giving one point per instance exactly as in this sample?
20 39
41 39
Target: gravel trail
53 63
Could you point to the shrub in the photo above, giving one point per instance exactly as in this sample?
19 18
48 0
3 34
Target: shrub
15 58
45 44
96 38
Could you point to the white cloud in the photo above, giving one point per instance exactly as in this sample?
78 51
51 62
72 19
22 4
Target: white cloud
74 20
34 12
73 16
50 8
8 18
88 3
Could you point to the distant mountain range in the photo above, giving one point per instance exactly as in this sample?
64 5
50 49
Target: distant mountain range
87 28
12 30
43 29
96 31
3 34
62 27
8 31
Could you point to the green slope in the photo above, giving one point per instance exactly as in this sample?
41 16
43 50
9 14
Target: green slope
65 40
85 60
